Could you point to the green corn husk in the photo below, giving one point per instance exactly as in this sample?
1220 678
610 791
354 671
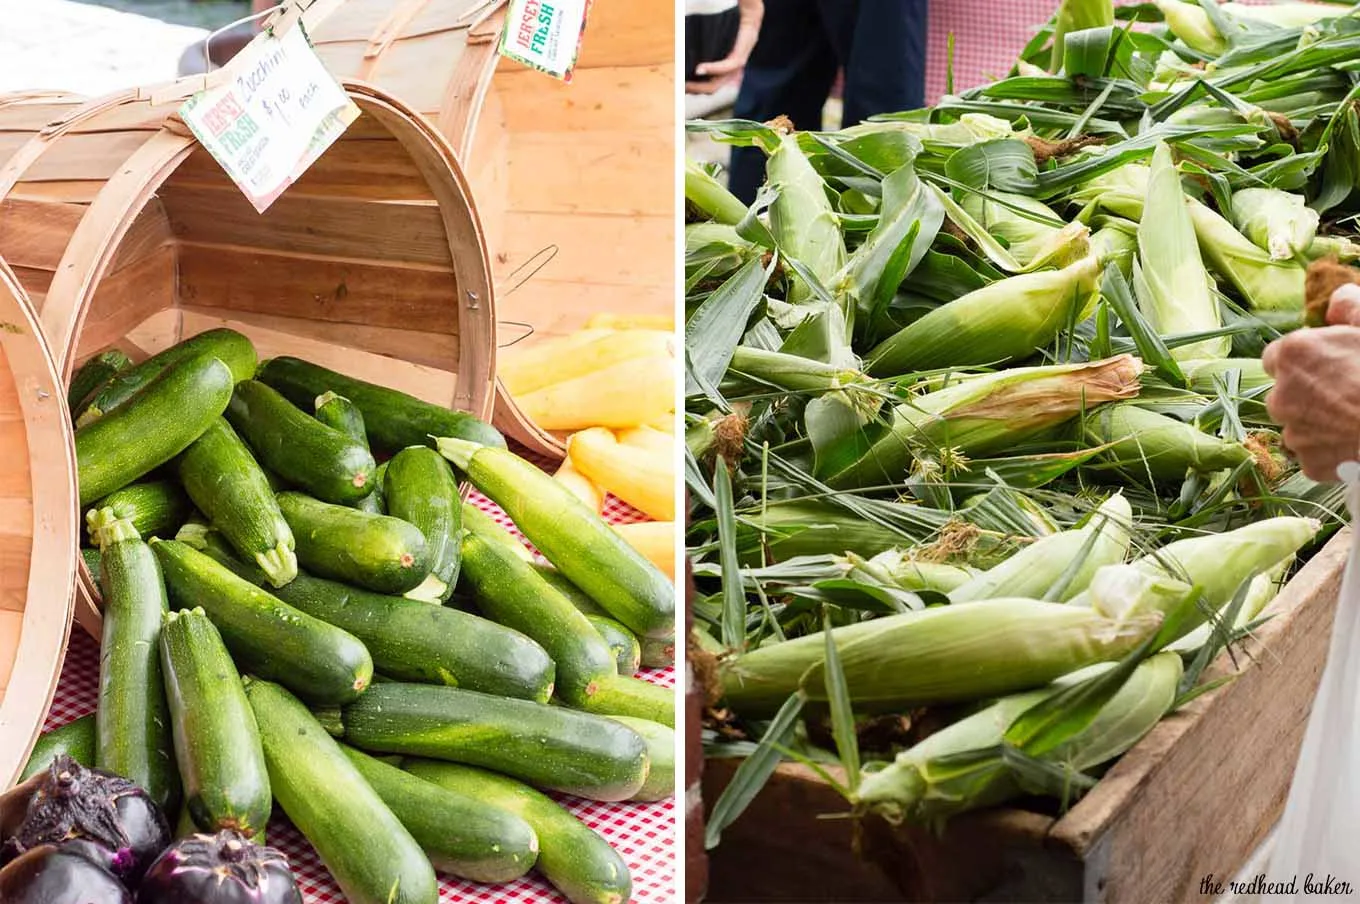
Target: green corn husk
1147 444
1265 283
906 571
987 413
1252 377
1339 247
1277 221
970 129
811 527
1075 15
710 196
942 654
1192 25
1028 237
1169 278
1005 320
801 217
1033 572
794 372
924 785
1116 245
1264 588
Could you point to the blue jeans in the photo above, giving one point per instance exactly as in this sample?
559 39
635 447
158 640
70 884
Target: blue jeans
880 43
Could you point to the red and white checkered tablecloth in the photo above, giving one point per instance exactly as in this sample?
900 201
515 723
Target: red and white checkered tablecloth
644 834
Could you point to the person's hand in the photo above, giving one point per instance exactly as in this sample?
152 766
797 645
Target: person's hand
725 71
1316 397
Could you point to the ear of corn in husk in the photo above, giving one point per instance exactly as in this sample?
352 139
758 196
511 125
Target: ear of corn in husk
911 573
1264 588
927 783
1192 25
1339 247
1266 284
802 218
1277 221
969 129
939 655
1116 245
1029 231
1076 15
1145 444
710 196
1169 278
793 372
986 413
810 527
1032 572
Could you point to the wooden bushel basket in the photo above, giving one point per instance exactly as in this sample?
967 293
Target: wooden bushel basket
1196 796
125 232
38 528
576 178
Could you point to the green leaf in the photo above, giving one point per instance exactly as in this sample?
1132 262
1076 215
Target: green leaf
1151 348
753 773
910 219
715 328
842 715
1087 53
1004 164
734 599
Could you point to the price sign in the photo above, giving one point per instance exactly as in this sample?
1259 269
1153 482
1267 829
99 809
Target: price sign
276 113
545 34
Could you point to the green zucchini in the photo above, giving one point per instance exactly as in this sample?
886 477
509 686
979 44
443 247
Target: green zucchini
414 641
377 552
92 375
228 346
74 739
419 488
510 592
658 652
91 559
156 508
571 536
217 745
621 696
370 853
339 413
152 428
228 487
661 752
132 732
376 501
461 834
576 859
627 651
479 522
394 420
266 636
548 746
300 449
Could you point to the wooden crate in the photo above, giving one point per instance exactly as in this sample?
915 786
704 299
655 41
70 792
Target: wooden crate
578 177
37 528
1196 796
125 232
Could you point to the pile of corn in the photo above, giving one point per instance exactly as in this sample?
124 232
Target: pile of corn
610 387
977 433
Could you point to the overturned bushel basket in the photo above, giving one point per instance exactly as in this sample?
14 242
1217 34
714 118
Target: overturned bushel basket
37 528
575 182
126 233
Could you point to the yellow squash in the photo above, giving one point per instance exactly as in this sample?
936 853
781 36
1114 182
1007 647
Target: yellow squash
640 477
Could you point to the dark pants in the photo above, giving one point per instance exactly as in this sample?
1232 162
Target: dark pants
880 43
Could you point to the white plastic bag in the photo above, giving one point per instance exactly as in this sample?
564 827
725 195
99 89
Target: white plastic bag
1316 851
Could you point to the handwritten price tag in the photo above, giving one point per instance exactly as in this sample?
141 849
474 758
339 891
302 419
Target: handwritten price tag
545 34
278 112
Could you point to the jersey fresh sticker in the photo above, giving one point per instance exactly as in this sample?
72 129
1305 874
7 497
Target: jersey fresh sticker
545 34
276 113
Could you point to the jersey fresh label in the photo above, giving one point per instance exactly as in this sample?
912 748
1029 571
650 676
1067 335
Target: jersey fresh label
274 115
545 34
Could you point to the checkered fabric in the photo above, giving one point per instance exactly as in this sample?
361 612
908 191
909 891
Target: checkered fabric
644 834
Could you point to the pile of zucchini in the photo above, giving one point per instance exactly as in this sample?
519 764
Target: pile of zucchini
287 619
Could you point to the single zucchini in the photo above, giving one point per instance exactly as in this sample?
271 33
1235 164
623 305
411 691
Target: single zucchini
339 413
658 652
419 488
300 449
378 552
576 859
217 744
548 746
92 375
133 736
152 428
627 651
571 536
510 592
370 853
228 346
266 636
74 739
394 420
620 696
157 508
661 751
228 487
461 834
414 641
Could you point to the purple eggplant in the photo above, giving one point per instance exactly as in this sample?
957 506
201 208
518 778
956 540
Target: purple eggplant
54 874
75 803
225 868
13 809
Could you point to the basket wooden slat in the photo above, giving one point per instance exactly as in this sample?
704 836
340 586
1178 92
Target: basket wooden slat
125 233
